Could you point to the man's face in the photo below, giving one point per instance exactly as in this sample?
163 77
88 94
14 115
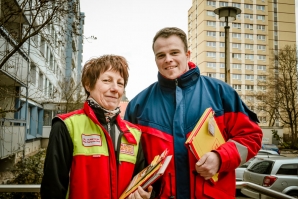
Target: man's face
170 56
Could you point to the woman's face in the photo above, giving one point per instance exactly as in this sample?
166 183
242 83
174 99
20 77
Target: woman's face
108 89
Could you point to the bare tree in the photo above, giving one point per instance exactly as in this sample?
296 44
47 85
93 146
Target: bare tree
71 96
24 19
279 99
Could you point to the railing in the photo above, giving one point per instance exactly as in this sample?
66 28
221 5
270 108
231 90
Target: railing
258 188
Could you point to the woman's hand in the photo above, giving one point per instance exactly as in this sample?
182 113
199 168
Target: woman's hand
141 193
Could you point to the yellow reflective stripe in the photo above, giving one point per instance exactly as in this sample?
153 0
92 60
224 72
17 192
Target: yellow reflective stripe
80 126
125 157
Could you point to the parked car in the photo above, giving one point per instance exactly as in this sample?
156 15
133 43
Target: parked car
271 147
279 174
261 154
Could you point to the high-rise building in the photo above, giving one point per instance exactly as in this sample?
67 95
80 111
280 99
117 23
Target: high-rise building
263 27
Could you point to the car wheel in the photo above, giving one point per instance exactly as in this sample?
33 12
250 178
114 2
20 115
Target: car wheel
293 193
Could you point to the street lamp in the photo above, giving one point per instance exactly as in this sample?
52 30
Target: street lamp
227 14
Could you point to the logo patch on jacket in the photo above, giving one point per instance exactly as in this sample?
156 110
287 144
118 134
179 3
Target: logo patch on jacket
127 149
91 140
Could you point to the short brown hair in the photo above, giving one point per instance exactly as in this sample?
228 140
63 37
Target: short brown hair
96 66
169 31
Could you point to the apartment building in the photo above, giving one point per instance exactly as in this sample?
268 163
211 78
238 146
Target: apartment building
262 27
33 76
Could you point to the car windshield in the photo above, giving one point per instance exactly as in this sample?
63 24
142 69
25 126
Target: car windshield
263 167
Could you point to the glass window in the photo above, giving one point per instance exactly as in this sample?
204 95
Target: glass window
261 17
261 27
211 23
249 36
223 4
248 16
248 26
222 55
211 75
222 65
221 34
262 77
249 56
221 75
237 87
211 65
261 57
236 35
250 88
249 77
237 5
211 3
236 66
236 76
288 169
47 118
248 6
261 67
261 7
210 13
249 67
211 54
222 44
211 44
236 25
261 47
211 33
261 37
236 55
249 46
236 45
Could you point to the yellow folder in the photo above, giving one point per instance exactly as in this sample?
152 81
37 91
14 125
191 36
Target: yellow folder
205 137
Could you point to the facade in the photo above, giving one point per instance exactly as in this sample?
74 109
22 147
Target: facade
35 75
263 27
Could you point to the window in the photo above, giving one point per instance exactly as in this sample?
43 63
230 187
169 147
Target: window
40 81
211 64
288 169
221 34
262 119
248 16
46 87
261 17
222 65
237 87
222 55
236 55
260 7
249 77
248 6
261 27
236 25
248 26
236 76
249 36
275 33
47 118
211 3
249 46
261 88
275 14
261 37
211 33
222 44
249 56
221 75
249 87
33 74
210 13
249 98
221 23
236 45
211 54
261 67
261 77
275 23
249 67
211 44
236 35
238 16
236 66
211 23
261 47
211 75
223 4
262 57
237 5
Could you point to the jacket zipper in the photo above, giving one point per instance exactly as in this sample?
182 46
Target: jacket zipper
176 82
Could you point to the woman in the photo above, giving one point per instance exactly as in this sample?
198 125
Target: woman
92 152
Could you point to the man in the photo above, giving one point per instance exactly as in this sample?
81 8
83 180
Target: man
168 110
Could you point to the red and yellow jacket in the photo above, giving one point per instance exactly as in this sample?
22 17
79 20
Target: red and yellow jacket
95 170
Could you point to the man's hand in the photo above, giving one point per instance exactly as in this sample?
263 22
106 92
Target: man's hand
141 193
208 165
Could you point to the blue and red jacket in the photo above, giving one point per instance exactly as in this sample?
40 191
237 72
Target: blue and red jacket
168 110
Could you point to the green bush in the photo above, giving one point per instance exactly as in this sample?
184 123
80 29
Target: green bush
27 171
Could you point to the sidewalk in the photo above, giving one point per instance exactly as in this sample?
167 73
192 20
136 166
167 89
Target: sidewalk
289 152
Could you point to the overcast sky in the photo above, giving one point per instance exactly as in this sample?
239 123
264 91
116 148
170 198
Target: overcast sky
127 27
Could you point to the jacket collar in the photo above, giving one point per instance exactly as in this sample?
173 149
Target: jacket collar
184 80
122 125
